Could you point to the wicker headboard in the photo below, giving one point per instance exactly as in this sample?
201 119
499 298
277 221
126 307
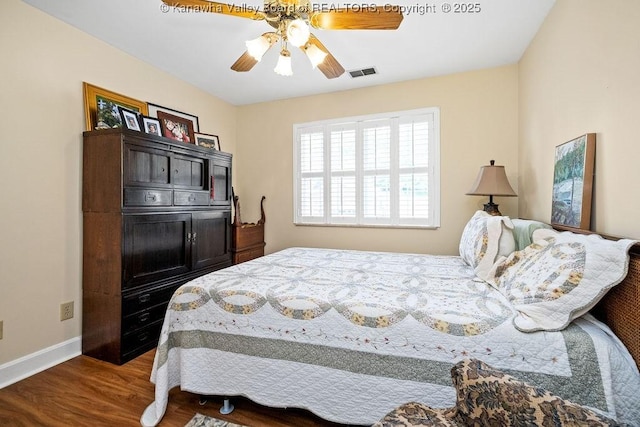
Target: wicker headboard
620 307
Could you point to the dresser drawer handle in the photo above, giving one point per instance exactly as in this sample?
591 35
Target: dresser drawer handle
144 317
192 197
150 197
144 298
143 337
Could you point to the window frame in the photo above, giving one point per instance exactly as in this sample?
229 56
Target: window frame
359 123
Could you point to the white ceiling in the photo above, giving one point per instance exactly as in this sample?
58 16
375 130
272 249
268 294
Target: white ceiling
200 47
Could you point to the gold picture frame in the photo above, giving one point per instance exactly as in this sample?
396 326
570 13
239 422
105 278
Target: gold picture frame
101 107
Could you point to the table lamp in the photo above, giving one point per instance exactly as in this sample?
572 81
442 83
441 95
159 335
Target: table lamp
491 181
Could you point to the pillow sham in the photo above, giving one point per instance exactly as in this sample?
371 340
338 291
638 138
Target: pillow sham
523 230
488 396
559 277
484 238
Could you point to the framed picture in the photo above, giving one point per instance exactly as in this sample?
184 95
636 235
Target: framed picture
154 109
573 182
208 141
151 125
101 107
176 127
130 118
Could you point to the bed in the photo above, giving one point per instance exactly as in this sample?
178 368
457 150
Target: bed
350 335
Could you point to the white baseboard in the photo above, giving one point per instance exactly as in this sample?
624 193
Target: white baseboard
31 364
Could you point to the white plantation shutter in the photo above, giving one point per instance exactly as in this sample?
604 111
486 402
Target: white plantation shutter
312 175
343 173
376 170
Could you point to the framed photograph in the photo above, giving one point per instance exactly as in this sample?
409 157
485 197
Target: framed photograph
130 118
154 109
151 125
101 107
208 141
176 127
573 182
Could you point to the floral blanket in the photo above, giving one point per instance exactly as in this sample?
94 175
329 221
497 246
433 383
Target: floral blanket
351 335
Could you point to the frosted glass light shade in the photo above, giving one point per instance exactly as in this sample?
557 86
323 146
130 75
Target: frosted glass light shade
283 67
315 55
257 47
298 32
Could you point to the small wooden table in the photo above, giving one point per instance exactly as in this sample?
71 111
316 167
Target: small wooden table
248 238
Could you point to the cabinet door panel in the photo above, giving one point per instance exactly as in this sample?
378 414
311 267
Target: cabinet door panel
221 185
145 165
188 172
212 241
155 247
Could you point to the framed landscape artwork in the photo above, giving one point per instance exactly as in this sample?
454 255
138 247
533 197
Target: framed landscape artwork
101 107
573 182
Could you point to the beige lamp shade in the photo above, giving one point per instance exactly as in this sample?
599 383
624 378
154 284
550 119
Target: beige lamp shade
491 181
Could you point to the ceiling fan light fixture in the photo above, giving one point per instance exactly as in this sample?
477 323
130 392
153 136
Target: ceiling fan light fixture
298 32
315 54
283 67
257 47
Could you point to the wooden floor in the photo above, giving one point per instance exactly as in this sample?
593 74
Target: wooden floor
88 392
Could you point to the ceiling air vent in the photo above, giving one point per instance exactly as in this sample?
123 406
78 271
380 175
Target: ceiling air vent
363 72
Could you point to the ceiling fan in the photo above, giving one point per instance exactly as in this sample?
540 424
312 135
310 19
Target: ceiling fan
291 20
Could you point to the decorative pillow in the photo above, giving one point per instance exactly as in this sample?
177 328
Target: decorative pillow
559 278
414 414
523 230
484 238
488 397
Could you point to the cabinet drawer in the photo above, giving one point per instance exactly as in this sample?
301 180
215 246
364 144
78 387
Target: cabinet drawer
248 255
144 338
132 304
146 197
143 318
191 198
248 235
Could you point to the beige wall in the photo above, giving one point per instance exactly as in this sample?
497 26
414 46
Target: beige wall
581 74
479 122
41 110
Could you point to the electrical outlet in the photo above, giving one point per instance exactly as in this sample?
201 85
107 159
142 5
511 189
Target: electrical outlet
1 325
66 310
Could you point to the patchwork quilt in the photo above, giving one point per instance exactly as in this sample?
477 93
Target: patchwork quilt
351 335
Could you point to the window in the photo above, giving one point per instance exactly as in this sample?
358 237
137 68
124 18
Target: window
372 170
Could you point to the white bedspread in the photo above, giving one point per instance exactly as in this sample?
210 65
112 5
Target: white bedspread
351 335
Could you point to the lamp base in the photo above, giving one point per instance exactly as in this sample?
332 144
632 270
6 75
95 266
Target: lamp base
492 209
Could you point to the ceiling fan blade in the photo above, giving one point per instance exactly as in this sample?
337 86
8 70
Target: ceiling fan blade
215 7
246 61
366 18
330 67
